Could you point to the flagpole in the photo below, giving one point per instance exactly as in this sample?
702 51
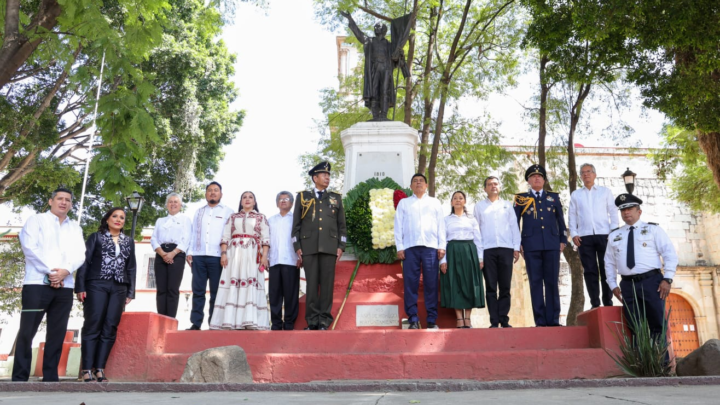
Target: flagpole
92 139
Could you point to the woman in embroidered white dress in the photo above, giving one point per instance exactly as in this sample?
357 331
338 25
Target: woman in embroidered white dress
241 301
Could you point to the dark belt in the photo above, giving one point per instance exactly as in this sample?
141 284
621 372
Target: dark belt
168 247
639 277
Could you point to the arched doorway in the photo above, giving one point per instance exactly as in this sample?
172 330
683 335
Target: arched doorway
682 325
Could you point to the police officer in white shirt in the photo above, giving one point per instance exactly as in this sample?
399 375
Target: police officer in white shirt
634 251
204 251
284 273
54 249
591 216
420 241
501 241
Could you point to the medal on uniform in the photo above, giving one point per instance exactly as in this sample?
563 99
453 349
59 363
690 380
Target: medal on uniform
644 231
550 199
617 238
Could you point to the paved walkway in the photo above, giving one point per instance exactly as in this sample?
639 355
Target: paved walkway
685 395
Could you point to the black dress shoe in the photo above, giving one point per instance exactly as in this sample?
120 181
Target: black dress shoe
311 327
322 327
506 325
414 325
493 326
193 328
431 325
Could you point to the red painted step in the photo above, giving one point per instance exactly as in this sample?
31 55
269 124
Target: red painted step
382 341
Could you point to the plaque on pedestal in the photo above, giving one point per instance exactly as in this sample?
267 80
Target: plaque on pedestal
377 315
379 149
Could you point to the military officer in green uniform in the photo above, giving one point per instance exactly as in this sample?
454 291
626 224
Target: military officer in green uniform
319 237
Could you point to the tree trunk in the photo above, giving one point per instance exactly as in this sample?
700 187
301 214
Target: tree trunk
436 140
577 294
542 123
710 144
17 48
407 107
428 100
409 96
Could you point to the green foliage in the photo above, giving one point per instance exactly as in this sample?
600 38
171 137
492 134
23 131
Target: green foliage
163 119
642 354
359 221
681 161
12 271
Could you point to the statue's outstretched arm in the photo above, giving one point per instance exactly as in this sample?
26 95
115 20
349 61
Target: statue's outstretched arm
354 28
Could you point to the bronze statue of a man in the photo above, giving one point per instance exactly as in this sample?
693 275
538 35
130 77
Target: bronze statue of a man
381 57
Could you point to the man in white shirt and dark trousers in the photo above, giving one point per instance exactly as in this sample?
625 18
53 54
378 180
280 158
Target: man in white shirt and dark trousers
420 241
54 249
204 251
501 240
284 286
634 251
591 216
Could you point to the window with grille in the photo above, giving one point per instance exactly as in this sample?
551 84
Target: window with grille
150 282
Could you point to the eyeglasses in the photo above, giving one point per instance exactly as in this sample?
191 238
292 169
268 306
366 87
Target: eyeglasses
284 200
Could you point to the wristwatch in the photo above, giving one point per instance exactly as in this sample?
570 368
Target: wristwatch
668 280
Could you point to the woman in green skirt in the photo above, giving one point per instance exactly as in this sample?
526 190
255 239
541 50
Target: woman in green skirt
461 280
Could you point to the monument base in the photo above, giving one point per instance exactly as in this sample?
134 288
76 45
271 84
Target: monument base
150 348
379 149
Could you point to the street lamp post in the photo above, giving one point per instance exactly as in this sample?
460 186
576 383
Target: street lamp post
135 202
629 179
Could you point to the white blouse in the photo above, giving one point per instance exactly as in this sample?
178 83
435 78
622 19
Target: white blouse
463 228
175 229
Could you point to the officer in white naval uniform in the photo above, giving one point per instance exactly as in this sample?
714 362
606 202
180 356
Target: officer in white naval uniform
634 251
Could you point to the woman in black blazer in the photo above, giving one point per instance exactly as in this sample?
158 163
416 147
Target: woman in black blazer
105 284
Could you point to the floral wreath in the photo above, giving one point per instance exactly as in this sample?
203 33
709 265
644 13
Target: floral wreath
370 211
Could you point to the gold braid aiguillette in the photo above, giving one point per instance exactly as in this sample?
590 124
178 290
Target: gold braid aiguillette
306 206
526 202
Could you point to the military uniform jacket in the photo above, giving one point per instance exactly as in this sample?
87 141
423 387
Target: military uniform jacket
319 225
543 225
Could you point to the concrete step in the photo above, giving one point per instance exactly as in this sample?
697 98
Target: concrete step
395 342
465 365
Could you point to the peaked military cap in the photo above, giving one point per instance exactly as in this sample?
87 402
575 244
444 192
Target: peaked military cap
626 201
535 169
322 167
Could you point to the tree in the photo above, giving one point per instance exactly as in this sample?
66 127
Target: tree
188 110
490 33
578 57
674 58
12 270
682 161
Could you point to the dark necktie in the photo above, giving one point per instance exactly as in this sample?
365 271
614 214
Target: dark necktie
537 195
320 193
631 249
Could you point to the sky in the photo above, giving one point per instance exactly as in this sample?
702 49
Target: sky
284 58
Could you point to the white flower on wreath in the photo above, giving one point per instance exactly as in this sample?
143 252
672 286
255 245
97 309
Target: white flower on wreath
383 218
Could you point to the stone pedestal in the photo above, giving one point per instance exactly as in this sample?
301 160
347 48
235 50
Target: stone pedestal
379 149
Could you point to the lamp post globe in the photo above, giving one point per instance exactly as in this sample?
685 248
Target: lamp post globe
135 203
629 179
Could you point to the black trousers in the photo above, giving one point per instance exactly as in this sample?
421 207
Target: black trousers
643 297
320 277
284 287
498 269
592 256
103 307
37 300
167 281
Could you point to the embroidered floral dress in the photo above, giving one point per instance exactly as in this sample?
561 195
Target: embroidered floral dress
241 302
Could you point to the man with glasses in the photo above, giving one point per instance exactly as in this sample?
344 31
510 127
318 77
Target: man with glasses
591 216
284 286
420 241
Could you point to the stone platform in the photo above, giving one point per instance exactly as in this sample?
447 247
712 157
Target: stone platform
150 348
